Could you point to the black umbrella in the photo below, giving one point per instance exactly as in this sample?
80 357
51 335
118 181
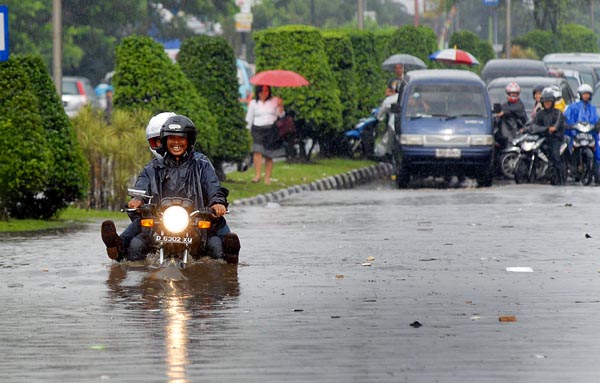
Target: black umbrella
409 62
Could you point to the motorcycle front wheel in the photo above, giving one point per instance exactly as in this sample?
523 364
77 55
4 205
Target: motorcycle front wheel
521 173
508 162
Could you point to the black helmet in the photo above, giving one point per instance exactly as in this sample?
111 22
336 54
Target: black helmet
548 95
179 125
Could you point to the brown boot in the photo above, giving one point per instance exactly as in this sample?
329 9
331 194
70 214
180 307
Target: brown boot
112 240
231 248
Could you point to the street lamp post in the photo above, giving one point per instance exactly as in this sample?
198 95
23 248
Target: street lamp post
360 14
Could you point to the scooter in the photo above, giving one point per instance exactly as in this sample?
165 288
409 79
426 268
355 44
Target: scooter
360 141
176 228
533 164
581 161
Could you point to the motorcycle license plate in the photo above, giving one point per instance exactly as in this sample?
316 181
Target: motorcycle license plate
447 153
173 239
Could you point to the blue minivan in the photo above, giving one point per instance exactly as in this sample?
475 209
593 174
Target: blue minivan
445 127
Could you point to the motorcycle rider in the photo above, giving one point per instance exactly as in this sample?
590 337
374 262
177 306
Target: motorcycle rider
583 111
182 172
550 122
512 116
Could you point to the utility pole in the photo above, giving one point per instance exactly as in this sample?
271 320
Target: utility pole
57 45
592 15
416 13
360 14
508 27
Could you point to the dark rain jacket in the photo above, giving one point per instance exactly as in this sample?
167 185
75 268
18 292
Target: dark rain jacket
515 111
193 177
546 118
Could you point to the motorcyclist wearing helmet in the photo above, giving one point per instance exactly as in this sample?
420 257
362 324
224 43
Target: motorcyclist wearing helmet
583 111
512 117
153 132
182 172
551 122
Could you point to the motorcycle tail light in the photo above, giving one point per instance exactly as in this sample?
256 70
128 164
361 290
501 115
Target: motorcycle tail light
203 224
147 222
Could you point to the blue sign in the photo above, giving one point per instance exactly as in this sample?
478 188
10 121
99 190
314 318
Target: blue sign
494 3
3 33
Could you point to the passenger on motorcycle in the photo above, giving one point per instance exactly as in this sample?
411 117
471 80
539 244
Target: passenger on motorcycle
182 172
550 122
583 111
537 105
512 117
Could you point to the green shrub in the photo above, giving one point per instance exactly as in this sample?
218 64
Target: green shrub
65 171
577 38
371 77
209 62
542 42
418 41
301 49
341 59
26 158
113 166
145 78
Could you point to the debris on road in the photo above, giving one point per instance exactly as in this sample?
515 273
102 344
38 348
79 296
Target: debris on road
416 324
366 264
508 318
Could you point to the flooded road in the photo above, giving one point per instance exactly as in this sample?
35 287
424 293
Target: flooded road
332 287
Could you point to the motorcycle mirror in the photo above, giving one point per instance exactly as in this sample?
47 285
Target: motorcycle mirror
137 193
497 108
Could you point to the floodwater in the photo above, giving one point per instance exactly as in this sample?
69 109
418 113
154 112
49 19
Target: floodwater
330 288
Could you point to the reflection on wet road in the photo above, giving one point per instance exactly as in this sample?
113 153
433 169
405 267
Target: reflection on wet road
327 289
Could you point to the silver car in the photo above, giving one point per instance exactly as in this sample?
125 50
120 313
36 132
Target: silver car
76 93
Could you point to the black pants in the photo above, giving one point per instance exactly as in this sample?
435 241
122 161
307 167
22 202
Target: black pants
556 161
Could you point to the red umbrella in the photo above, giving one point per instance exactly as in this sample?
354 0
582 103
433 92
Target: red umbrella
454 56
279 77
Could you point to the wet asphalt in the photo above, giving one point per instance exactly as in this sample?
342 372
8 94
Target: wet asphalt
371 284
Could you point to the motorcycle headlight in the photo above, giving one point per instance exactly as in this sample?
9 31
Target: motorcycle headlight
527 146
175 219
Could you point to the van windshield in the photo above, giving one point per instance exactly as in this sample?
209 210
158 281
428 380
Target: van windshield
446 100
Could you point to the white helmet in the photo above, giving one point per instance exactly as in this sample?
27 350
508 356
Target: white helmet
585 88
153 131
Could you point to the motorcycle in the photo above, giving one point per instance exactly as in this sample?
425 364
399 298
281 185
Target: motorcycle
360 141
176 228
507 149
533 164
581 161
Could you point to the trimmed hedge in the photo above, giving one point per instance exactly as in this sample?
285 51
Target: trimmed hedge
542 42
577 38
371 83
341 59
301 49
42 167
209 63
418 41
145 78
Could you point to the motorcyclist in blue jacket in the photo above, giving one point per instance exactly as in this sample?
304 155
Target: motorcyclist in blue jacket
585 112
181 172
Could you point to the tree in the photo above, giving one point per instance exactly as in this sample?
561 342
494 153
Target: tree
210 65
547 13
145 78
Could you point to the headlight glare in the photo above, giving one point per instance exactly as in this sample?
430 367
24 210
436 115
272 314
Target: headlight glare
175 219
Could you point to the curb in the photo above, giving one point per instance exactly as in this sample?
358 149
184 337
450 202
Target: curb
346 180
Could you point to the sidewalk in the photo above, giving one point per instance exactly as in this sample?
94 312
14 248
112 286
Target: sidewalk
346 180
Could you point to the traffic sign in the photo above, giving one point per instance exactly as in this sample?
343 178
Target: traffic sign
493 3
3 33
243 22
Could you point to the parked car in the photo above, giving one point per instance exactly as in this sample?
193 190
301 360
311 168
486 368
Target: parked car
497 92
512 67
445 127
77 92
244 73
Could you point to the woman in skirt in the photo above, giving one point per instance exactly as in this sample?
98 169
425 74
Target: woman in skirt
262 113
